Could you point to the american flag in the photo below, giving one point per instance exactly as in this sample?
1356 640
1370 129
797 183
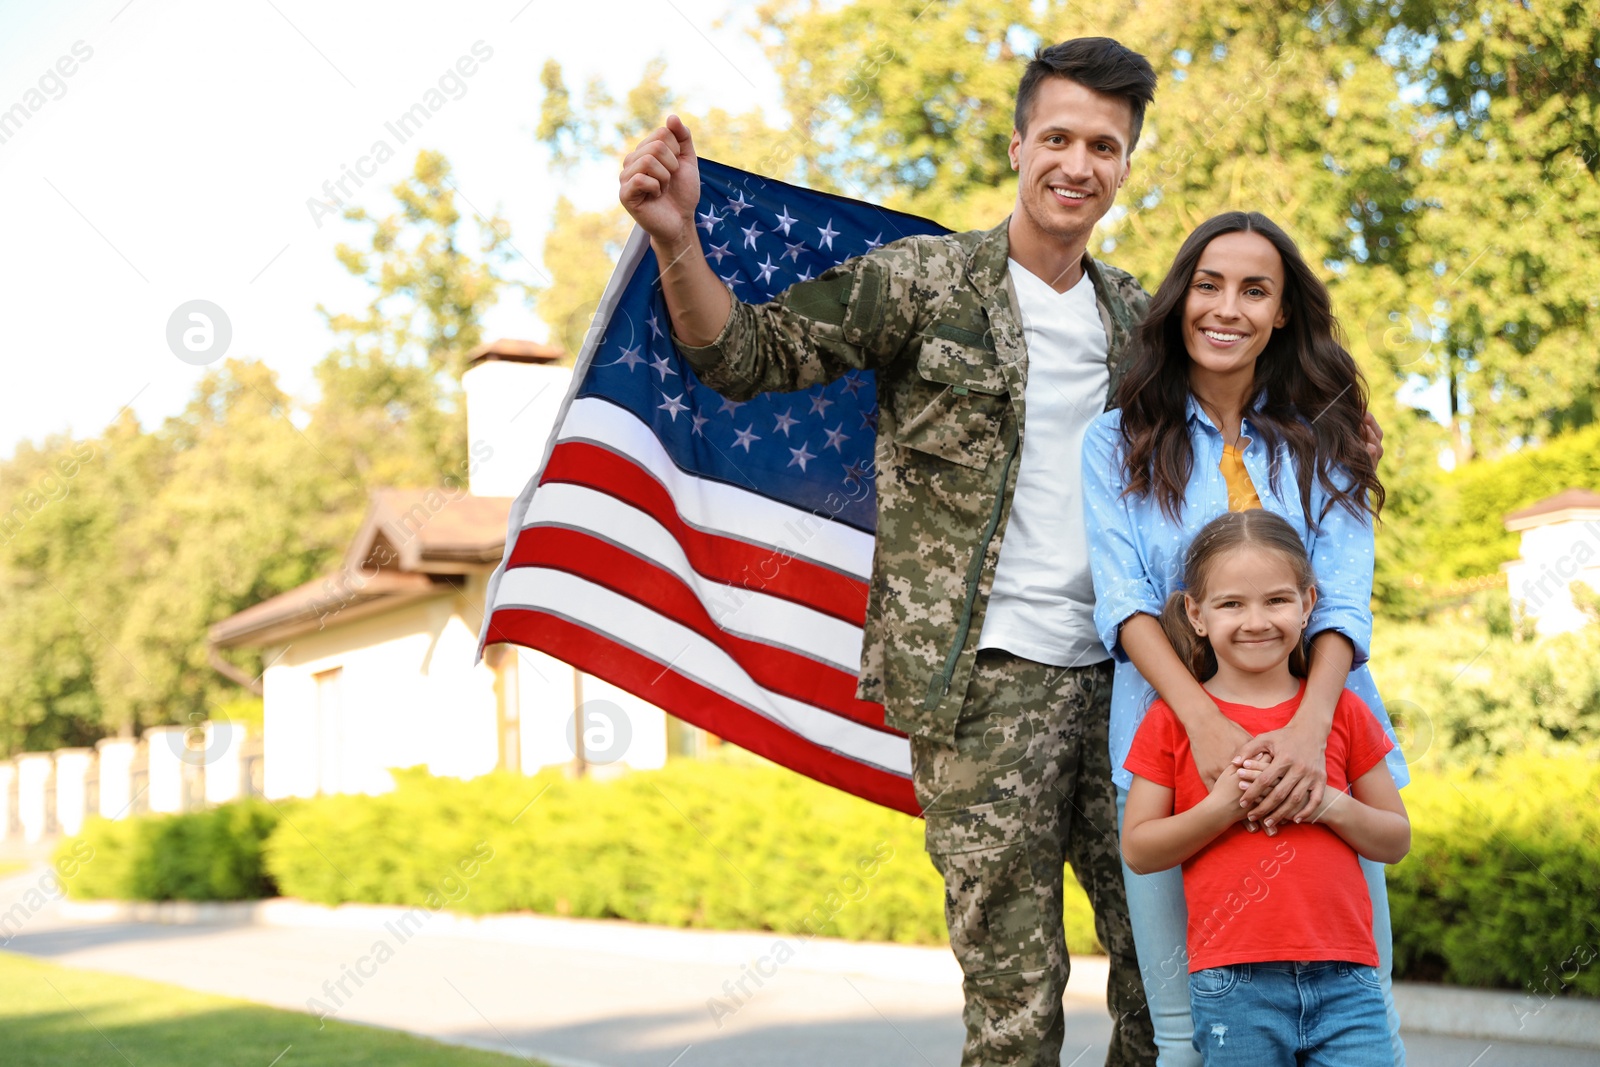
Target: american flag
712 556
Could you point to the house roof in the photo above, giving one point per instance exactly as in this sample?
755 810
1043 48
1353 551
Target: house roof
510 350
431 531
413 544
344 595
1578 504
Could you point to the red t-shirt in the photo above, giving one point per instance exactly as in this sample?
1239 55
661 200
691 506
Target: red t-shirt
1256 899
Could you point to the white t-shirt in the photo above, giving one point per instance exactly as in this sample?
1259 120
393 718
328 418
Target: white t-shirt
1042 604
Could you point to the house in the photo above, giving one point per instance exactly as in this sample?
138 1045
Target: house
1560 545
373 666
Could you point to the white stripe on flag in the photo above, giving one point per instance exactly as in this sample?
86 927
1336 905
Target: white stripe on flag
738 610
684 651
717 506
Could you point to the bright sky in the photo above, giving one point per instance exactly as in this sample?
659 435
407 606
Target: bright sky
175 161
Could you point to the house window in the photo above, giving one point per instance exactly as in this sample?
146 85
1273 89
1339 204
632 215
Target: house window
330 730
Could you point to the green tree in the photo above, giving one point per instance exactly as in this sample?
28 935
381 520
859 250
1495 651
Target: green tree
240 512
391 411
1502 265
53 585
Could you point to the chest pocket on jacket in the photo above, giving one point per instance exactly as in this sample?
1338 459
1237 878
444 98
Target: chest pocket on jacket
956 404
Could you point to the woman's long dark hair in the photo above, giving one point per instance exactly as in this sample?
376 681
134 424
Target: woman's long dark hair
1316 396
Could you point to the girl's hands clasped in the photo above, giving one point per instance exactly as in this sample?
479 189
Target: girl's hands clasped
1289 781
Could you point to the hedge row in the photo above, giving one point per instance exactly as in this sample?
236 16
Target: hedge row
1502 887
712 845
1462 695
206 855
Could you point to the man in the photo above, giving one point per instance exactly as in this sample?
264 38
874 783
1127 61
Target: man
979 638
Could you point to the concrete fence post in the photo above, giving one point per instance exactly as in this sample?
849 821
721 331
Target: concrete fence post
34 772
116 776
224 766
72 780
165 749
8 799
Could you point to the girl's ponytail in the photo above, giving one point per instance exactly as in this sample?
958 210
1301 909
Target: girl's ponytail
1194 650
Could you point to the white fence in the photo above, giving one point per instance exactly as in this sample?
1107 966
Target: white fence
170 769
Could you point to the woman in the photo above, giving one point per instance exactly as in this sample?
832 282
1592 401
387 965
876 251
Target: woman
1239 395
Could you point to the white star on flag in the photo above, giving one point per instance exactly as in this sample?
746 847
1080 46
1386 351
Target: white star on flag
655 325
751 232
631 357
673 405
792 251
708 220
737 206
660 364
800 456
744 437
731 407
819 405
716 252
786 220
836 439
731 280
767 267
875 242
699 424
828 234
784 422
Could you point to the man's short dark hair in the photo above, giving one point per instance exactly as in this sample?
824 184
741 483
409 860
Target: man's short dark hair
1097 63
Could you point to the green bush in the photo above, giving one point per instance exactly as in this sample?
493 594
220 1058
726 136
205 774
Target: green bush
1502 886
206 855
706 844
1464 533
1461 694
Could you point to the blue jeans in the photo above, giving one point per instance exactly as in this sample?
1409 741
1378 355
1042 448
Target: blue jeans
1160 927
1316 1014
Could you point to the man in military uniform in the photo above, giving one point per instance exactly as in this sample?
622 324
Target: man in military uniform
979 637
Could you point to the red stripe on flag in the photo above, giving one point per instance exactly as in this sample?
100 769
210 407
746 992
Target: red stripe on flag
596 654
722 559
778 669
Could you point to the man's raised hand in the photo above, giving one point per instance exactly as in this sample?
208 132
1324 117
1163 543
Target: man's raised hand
660 184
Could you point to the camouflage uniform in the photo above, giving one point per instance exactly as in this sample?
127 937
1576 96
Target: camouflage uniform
935 317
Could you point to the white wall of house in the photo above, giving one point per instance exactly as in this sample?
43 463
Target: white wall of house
1551 557
347 703
399 689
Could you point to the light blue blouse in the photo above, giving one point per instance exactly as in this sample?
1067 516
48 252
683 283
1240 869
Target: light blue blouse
1136 556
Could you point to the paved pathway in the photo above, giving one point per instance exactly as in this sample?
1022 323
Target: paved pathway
582 1007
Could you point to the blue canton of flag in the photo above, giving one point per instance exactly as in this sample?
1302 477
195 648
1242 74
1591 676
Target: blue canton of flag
760 236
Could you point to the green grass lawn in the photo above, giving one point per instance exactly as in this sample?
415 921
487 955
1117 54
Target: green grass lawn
60 1017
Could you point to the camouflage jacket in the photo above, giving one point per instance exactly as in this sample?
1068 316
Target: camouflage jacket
936 318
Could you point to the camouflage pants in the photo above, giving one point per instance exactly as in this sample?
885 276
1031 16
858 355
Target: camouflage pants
1026 787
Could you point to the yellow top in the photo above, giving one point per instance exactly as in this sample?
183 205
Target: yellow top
1241 490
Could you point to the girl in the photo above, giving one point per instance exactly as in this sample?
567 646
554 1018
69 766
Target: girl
1238 395
1281 958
